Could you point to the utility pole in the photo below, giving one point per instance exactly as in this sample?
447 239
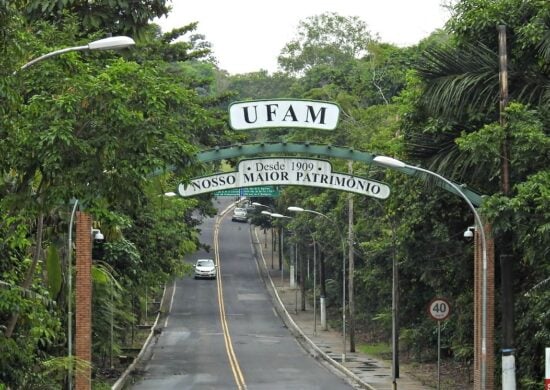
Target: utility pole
303 281
322 290
280 236
506 258
351 268
395 313
272 246
395 305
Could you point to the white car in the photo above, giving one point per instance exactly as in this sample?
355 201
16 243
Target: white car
205 268
239 215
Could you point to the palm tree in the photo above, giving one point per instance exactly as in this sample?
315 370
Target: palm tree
461 93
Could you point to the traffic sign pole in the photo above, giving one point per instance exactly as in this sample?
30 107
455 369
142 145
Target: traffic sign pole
439 310
438 355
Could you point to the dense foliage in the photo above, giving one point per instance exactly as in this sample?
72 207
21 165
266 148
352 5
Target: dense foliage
116 130
436 105
110 129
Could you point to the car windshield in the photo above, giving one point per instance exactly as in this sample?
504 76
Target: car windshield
239 210
205 263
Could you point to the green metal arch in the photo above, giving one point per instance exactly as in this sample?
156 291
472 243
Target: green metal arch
255 149
284 147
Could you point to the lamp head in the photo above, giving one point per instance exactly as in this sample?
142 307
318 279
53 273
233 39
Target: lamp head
389 162
296 209
111 43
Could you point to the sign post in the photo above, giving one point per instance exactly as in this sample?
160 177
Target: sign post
547 376
439 310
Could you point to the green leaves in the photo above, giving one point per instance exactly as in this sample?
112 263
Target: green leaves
329 39
94 126
460 79
117 16
53 269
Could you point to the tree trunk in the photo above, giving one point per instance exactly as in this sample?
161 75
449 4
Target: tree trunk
322 287
280 248
30 272
351 259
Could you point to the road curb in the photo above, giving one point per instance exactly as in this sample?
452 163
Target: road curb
305 341
121 381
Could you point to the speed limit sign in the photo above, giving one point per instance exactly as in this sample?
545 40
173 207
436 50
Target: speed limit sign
439 309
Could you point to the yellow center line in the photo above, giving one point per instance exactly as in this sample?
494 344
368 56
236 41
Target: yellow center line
233 362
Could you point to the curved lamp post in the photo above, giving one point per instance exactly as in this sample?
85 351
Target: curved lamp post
70 292
301 210
394 163
257 204
277 215
111 43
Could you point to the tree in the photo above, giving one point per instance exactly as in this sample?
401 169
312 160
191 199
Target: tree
329 39
95 127
460 108
111 16
260 85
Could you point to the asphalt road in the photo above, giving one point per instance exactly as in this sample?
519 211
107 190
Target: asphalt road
235 343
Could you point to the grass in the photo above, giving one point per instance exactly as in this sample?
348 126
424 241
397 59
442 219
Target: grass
378 350
454 376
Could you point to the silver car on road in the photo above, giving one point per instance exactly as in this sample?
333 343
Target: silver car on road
239 215
205 268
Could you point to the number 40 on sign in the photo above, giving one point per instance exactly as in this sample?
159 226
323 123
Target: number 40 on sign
439 309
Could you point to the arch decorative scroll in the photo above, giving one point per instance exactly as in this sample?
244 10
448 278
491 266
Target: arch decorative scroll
275 171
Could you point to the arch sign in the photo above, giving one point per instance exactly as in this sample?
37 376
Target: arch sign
259 114
284 171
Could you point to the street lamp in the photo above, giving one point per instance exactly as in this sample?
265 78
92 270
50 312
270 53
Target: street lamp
260 205
111 43
277 215
394 163
300 210
257 204
314 285
70 301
